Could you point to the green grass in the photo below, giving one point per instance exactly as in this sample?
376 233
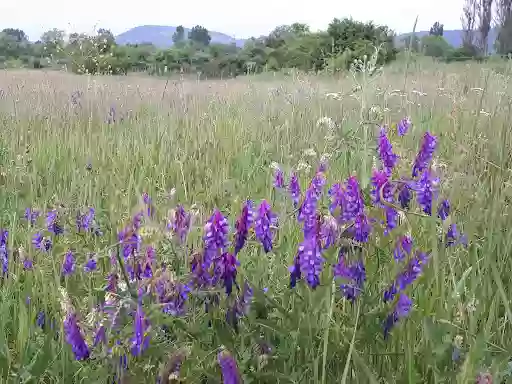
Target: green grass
214 142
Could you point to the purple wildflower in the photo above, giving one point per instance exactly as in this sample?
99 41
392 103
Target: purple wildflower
403 247
262 227
91 264
52 223
85 221
354 275
215 237
74 337
294 189
295 272
172 295
454 237
40 319
405 195
112 280
38 241
443 211
411 272
362 228
424 156
148 202
381 185
241 306
229 369
385 149
352 200
243 224
226 270
31 216
328 231
307 212
336 197
140 339
403 126
402 309
100 336
180 223
426 191
68 266
322 167
28 264
4 252
311 260
149 262
278 178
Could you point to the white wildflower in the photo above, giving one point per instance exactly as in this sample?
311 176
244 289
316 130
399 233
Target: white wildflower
310 152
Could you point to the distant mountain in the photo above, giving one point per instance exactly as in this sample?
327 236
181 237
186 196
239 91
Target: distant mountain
453 37
161 36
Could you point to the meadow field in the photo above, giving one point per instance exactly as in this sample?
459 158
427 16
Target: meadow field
141 290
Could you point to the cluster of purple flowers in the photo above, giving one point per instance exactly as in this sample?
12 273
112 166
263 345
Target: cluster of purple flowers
353 275
351 220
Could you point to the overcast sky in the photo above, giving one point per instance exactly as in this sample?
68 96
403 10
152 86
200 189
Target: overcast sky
233 17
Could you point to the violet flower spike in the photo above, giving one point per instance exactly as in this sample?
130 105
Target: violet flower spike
227 271
180 223
311 261
385 150
31 216
52 223
402 309
405 196
243 224
262 227
68 266
215 237
354 276
28 264
229 369
352 200
424 156
295 272
4 252
443 211
140 339
403 126
403 247
294 189
426 191
278 179
74 337
91 264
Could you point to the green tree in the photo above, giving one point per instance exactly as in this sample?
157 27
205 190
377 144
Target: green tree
435 46
361 39
411 42
53 41
17 34
437 29
178 35
199 35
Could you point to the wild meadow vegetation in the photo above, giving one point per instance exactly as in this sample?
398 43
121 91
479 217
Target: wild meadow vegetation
264 229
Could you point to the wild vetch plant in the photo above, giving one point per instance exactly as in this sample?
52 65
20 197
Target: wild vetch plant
149 303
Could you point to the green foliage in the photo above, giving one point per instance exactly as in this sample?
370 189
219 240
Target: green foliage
437 29
360 39
199 35
435 46
179 35
287 46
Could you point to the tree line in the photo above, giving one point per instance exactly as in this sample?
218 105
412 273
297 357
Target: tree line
287 46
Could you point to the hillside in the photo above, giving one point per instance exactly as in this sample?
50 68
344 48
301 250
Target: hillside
453 37
161 36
